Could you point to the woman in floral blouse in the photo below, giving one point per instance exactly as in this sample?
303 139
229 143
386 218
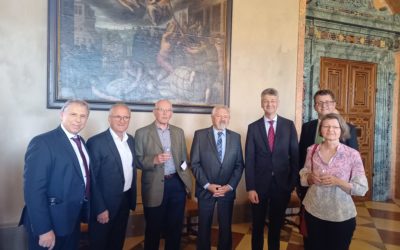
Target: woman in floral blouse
334 172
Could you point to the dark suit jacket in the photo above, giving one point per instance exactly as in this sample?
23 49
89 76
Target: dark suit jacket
147 146
109 174
206 166
307 138
54 188
261 164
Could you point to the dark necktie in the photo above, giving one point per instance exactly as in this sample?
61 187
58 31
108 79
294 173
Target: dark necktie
219 146
271 135
78 143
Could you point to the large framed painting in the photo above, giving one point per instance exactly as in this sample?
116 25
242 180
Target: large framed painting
140 51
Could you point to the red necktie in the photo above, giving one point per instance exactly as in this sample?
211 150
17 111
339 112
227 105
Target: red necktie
77 141
271 135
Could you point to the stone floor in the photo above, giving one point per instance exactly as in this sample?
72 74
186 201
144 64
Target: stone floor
378 227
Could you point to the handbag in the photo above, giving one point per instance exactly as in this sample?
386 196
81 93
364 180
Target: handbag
303 223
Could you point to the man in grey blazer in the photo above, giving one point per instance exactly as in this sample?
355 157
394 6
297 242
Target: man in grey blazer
217 164
161 155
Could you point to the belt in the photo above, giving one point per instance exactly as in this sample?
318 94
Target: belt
169 176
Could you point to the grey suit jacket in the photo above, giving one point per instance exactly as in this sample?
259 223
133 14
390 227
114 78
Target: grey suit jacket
206 166
147 146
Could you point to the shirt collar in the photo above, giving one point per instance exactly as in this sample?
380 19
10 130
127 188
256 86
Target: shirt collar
69 135
161 128
216 131
273 119
116 137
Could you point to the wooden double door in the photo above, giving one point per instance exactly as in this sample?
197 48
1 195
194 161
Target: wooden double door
354 86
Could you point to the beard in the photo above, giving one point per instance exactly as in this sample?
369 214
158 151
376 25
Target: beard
222 125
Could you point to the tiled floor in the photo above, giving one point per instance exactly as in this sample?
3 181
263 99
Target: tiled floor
378 227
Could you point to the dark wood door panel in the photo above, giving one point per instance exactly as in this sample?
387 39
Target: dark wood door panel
354 86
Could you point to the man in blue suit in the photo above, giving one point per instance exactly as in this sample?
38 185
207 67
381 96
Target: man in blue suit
57 182
217 164
271 169
112 153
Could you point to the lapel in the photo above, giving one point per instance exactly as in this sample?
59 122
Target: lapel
174 145
66 144
228 145
313 131
211 140
263 132
114 151
154 135
131 144
278 132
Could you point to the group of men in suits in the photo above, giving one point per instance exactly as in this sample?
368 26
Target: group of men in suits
65 179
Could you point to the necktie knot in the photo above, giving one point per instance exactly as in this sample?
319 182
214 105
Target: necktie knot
220 134
77 139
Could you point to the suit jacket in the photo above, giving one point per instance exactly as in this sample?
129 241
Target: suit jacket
262 164
147 146
109 174
206 166
307 138
54 187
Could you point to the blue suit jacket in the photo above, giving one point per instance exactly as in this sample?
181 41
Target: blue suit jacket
206 166
109 174
282 162
54 188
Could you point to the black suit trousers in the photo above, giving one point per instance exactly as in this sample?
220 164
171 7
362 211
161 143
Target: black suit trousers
111 235
271 206
68 242
206 212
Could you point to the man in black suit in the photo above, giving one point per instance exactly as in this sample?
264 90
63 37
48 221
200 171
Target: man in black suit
271 169
217 164
114 195
57 182
324 103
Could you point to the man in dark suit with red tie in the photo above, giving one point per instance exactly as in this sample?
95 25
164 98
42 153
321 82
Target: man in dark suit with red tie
114 195
57 182
271 170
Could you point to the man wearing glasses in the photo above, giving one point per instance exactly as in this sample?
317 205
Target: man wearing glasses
161 155
324 103
114 190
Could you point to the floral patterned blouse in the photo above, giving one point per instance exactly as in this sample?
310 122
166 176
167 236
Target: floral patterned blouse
332 203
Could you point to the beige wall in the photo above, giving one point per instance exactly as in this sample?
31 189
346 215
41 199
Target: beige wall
264 54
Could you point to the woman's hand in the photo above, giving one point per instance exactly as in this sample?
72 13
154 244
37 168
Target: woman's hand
313 179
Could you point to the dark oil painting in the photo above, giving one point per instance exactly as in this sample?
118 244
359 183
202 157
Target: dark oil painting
140 51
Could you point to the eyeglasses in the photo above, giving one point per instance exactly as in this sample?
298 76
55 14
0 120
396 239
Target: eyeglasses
222 116
121 118
330 127
327 103
163 110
